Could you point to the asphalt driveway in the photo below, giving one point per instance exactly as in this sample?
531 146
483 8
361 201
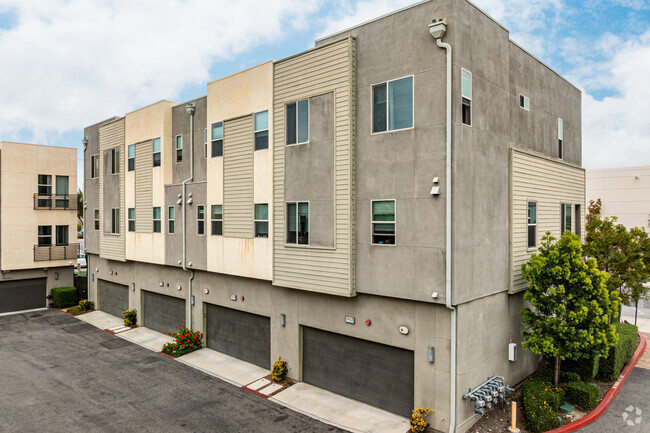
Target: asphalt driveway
58 374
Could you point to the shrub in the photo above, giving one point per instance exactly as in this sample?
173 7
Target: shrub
130 317
279 370
76 310
418 423
185 341
582 394
86 305
569 376
64 297
586 368
541 401
622 351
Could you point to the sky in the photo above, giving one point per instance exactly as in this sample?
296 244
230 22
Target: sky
66 64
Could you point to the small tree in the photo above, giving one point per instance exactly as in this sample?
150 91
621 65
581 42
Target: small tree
570 303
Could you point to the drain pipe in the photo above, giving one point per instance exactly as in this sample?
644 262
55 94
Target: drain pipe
437 30
190 108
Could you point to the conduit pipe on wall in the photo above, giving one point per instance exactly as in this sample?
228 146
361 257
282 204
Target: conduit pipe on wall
437 30
190 108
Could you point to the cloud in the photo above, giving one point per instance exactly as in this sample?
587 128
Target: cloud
350 14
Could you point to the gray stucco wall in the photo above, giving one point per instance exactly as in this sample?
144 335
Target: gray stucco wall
112 191
181 126
196 244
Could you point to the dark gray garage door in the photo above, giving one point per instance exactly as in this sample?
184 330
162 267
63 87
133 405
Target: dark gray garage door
241 335
22 295
373 373
162 313
113 298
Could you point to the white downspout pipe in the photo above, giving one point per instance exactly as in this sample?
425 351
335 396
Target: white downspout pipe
190 110
437 30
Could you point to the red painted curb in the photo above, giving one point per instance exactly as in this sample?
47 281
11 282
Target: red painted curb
109 331
255 392
65 312
609 397
168 356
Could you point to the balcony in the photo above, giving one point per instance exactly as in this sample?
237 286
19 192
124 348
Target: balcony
49 201
44 253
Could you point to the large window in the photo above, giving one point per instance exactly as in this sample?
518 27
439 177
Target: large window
392 105
171 220
131 218
62 235
115 221
217 139
298 122
560 138
565 223
62 189
44 236
179 148
216 219
200 220
532 224
262 130
131 157
155 143
466 97
115 160
383 222
156 220
96 219
298 223
262 220
94 166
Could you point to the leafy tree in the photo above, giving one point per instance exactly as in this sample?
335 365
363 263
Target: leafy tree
80 209
570 303
624 254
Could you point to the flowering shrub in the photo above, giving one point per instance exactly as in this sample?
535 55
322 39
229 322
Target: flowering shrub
130 317
86 305
541 401
418 423
279 370
185 341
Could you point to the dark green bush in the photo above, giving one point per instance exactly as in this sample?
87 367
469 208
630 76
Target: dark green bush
64 297
582 394
541 401
622 351
569 376
586 368
75 311
543 375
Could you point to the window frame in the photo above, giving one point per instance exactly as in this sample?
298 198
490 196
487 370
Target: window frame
67 235
39 236
563 225
115 222
130 160
373 222
130 228
205 143
94 166
577 220
48 186
214 140
529 225
256 131
176 148
298 142
560 138
255 220
171 220
200 222
372 106
214 220
157 163
96 219
115 160
156 220
523 101
286 235
464 97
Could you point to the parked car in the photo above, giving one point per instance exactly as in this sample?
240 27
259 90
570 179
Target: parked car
81 260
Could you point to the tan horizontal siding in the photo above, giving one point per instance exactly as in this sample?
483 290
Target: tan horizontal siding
144 188
238 147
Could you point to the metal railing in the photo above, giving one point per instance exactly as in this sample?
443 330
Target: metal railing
55 201
55 252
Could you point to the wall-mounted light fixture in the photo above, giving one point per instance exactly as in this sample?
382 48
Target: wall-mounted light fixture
283 320
431 354
56 275
206 291
133 287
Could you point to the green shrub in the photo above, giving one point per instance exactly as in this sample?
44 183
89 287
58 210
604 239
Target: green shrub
76 310
586 368
86 305
622 351
569 376
541 401
130 317
185 341
64 297
582 394
543 375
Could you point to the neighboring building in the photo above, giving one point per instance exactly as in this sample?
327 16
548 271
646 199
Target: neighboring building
38 223
624 193
312 229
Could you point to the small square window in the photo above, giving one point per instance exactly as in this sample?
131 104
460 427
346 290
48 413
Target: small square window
383 222
262 220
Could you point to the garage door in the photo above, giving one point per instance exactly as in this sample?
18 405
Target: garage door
113 298
22 295
373 373
162 313
239 334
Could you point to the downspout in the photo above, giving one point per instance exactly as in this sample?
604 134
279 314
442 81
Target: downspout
437 30
190 110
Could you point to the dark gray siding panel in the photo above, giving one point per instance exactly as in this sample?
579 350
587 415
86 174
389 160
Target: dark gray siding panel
162 313
370 372
22 295
113 298
241 335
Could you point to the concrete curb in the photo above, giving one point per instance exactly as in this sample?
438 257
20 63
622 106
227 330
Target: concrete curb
609 397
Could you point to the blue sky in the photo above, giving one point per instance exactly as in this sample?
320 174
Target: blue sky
71 63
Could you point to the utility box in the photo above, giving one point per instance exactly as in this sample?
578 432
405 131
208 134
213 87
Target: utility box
512 352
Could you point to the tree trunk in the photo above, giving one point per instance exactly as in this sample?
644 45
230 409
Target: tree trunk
556 371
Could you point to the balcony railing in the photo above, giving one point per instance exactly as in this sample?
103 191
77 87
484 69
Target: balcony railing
54 201
55 252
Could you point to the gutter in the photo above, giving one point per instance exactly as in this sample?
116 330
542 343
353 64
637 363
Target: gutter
190 110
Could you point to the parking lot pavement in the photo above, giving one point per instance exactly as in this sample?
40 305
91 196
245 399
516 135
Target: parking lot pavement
63 375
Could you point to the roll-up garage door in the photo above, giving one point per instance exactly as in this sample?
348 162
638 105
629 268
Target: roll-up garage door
373 373
162 313
239 334
22 295
113 298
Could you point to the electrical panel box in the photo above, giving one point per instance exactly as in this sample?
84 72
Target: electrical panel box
512 352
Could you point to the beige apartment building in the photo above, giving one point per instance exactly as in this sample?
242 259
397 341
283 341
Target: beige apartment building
38 223
361 209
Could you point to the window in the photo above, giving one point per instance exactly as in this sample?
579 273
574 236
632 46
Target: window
156 220
217 139
392 105
96 219
298 122
262 130
262 220
532 224
200 220
131 218
171 219
131 157
44 184
565 223
578 230
179 148
216 218
383 222
156 152
524 102
298 223
61 235
115 160
44 236
62 190
560 137
205 142
466 97
94 166
115 221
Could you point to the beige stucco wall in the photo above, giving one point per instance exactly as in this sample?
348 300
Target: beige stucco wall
20 166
